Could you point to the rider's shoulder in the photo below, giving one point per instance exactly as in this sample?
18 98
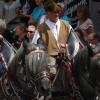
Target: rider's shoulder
64 22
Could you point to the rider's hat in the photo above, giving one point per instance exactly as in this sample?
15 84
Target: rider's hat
51 6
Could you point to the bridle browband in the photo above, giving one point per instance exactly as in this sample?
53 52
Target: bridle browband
36 50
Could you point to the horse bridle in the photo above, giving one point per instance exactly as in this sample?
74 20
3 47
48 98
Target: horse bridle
37 49
38 76
43 73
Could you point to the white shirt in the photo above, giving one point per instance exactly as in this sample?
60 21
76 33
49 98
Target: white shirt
71 39
56 32
35 37
55 28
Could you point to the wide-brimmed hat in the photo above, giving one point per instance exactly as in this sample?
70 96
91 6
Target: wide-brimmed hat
51 6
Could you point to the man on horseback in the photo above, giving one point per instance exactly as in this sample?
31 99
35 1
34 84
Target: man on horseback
59 38
54 32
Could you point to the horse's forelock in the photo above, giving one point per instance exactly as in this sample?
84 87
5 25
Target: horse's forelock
37 61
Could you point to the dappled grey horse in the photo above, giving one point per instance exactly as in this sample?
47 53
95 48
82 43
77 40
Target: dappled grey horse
28 76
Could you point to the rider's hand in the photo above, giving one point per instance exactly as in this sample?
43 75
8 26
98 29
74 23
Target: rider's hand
63 48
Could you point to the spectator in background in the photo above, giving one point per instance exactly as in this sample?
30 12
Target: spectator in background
61 14
37 12
85 22
20 35
2 26
4 31
30 32
10 7
1 8
27 6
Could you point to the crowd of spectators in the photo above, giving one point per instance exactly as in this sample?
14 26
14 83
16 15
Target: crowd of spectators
24 17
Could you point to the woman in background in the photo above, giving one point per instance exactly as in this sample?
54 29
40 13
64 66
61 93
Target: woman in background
85 23
30 32
10 7
37 12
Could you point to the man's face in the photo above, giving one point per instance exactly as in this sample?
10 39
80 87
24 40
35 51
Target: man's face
30 33
53 16
79 15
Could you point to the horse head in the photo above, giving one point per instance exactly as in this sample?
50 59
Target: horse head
86 71
36 61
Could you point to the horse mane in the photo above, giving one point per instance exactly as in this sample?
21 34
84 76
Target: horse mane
95 70
82 60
